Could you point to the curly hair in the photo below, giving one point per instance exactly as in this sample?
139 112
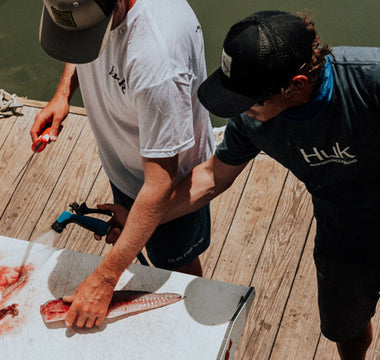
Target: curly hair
313 68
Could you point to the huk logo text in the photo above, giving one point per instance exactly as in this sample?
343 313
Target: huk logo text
336 154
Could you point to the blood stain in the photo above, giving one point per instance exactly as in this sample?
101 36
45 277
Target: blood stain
12 280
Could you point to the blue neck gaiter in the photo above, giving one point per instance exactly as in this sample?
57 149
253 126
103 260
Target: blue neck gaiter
321 99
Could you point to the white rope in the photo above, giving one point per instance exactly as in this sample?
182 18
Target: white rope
8 104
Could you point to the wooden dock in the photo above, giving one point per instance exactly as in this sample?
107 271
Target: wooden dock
262 231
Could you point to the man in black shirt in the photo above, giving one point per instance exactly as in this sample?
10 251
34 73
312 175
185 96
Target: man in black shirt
316 110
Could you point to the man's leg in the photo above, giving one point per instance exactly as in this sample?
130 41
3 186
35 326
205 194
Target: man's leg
347 298
193 268
177 244
356 349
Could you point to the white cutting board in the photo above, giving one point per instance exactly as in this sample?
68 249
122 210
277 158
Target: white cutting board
199 327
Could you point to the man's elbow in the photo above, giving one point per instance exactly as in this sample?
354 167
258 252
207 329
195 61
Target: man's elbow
213 186
220 187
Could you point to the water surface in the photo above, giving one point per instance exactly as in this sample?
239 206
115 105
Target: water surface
27 71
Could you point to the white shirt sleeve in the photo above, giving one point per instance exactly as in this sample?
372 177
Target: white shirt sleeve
165 118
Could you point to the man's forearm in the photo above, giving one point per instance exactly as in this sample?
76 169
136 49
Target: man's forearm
194 191
68 83
204 183
144 217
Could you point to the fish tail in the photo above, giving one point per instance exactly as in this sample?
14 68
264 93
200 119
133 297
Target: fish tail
145 302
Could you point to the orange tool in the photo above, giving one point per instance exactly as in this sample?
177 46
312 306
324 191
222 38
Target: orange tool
41 142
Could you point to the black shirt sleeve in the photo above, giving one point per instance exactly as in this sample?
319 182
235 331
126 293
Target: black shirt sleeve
236 147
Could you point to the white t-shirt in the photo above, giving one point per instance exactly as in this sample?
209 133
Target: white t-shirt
141 93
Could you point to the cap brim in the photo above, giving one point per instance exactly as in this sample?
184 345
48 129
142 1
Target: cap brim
220 100
75 47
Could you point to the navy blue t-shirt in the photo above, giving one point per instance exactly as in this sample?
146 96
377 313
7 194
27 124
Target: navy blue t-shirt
333 146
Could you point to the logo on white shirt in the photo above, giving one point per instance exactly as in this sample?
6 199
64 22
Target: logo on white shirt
120 81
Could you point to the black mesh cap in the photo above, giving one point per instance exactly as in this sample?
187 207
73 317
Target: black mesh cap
261 54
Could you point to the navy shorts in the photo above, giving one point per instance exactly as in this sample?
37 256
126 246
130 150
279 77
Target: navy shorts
177 242
347 296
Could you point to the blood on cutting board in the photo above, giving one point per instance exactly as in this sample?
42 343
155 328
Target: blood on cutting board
12 280
9 275
11 310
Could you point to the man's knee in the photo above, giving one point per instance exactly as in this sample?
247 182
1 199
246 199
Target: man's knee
192 268
356 348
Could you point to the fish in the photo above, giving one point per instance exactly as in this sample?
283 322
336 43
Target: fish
124 302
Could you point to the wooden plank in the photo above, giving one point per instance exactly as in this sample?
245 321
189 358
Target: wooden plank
33 191
299 331
326 350
73 185
81 239
223 209
6 126
251 222
15 153
276 269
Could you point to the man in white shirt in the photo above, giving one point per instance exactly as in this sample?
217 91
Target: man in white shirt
139 86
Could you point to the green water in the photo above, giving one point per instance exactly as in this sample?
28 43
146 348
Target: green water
27 71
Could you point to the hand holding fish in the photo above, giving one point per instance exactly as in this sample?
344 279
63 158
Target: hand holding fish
89 303
124 302
117 222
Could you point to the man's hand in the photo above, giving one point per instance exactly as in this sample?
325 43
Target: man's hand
117 221
54 113
90 302
58 108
